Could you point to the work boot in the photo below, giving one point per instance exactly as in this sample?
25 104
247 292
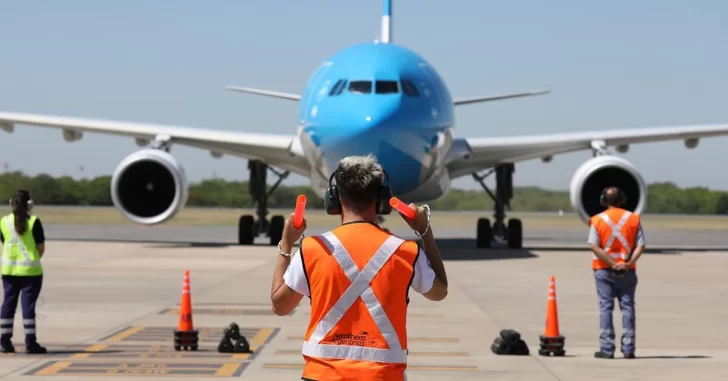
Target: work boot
35 348
602 355
7 346
629 355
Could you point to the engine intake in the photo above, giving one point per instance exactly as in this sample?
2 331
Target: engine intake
149 187
601 172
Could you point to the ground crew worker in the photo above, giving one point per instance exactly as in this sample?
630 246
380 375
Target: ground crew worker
23 245
357 277
617 241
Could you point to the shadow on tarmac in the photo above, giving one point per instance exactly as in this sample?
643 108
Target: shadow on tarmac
452 249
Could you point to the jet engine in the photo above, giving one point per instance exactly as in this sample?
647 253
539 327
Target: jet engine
149 187
601 172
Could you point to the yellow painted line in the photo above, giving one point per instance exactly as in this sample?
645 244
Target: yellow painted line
283 366
261 336
228 369
93 348
245 356
409 367
54 368
125 333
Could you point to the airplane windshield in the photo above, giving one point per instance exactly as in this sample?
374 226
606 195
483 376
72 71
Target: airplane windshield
409 89
386 87
360 87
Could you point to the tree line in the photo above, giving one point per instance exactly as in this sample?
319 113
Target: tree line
664 197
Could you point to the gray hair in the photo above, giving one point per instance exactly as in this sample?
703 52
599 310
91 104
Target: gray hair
358 179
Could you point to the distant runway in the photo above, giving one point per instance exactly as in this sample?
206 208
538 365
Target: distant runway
226 235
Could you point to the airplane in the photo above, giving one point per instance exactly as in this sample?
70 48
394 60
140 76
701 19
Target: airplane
374 97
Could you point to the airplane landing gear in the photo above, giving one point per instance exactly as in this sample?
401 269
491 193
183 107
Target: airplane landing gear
248 226
511 233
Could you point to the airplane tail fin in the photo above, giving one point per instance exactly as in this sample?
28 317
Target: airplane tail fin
267 93
387 23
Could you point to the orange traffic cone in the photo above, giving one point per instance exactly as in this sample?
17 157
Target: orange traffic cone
185 336
552 343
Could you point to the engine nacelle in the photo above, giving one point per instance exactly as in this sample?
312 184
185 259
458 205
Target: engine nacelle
149 187
601 172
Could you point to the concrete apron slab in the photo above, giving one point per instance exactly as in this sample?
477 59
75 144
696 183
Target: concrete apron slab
110 310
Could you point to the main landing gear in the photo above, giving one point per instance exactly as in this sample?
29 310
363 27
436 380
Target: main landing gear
249 227
513 233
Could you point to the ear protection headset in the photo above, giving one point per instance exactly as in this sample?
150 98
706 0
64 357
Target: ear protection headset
603 196
332 203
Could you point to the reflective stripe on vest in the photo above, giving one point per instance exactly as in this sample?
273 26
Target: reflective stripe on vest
16 242
359 287
616 234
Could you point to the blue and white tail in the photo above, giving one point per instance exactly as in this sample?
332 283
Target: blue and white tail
387 23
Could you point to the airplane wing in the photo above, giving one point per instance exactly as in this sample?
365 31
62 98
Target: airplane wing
470 155
283 151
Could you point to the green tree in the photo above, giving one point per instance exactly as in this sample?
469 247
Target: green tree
665 197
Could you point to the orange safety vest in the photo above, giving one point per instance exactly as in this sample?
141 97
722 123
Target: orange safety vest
617 229
359 277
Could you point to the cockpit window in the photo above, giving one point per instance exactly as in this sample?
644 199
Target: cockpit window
360 87
386 87
409 89
336 86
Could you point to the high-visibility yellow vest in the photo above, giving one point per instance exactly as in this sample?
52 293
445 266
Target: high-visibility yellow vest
20 254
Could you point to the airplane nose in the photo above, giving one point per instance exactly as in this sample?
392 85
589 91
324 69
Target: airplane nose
377 113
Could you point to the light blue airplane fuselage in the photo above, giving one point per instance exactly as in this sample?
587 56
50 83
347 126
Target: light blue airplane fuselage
409 130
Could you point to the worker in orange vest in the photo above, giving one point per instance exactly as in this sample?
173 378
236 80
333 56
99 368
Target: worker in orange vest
357 277
617 241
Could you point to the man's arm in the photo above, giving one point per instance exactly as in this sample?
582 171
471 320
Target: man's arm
640 241
439 285
594 246
289 282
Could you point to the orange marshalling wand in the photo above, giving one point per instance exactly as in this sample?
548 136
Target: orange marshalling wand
552 343
402 208
300 209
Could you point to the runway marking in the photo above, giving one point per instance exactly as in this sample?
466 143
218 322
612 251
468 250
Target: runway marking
123 334
432 368
93 348
223 311
67 368
409 339
411 353
157 351
258 336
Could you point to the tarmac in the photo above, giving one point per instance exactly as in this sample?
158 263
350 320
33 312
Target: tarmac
110 304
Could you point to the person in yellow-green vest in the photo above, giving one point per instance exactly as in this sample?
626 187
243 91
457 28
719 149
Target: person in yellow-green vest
23 242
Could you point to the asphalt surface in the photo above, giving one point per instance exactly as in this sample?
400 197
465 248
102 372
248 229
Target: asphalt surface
110 303
454 237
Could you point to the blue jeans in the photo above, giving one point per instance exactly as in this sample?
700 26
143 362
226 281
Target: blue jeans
623 289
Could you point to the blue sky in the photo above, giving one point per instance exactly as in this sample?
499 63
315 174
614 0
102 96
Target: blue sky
612 65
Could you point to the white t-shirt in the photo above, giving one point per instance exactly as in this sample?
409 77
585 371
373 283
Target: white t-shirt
295 276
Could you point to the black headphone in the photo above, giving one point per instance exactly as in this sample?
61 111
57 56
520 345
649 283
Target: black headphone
332 203
603 196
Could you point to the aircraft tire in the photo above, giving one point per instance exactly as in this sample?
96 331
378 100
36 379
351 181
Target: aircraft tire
515 233
245 230
484 233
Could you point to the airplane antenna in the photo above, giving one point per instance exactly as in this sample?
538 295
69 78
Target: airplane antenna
387 22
